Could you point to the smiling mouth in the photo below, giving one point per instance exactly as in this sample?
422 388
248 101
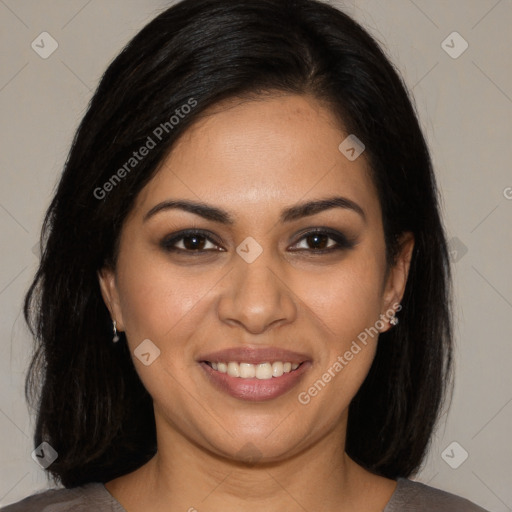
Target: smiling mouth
262 371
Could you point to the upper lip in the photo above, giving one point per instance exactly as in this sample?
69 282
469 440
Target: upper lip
254 355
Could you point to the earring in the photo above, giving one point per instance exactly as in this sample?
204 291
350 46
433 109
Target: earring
393 320
115 339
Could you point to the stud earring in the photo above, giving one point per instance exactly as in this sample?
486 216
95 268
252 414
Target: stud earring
115 339
393 320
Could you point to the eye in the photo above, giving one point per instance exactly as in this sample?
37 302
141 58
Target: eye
317 241
190 241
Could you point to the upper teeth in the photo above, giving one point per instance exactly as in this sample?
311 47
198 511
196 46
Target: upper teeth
249 371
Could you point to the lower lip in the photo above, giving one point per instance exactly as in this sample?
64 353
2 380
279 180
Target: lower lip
255 390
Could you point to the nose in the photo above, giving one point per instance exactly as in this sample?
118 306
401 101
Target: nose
256 296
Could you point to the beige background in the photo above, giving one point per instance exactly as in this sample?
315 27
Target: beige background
465 105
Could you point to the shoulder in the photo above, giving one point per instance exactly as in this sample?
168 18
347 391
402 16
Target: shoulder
413 496
76 499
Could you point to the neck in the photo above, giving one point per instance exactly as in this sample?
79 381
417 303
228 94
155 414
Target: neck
189 478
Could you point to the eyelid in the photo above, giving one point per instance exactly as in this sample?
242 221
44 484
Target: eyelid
342 242
169 241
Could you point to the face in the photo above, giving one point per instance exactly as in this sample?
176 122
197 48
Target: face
259 275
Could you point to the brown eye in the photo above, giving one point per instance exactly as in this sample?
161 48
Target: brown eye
194 242
318 241
323 241
189 241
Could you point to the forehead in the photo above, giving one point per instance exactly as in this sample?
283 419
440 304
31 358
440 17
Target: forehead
263 153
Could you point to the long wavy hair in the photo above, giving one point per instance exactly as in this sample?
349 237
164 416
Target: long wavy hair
91 405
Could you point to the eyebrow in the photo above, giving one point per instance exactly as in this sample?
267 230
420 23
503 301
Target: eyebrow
290 214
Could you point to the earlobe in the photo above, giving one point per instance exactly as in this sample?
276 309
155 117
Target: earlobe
398 274
109 292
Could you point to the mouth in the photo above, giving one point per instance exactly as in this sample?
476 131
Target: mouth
261 371
254 374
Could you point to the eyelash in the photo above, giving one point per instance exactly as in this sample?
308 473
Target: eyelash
342 242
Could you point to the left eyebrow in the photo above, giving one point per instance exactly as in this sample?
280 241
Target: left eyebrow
313 207
290 214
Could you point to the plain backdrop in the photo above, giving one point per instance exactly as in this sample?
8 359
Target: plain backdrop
464 100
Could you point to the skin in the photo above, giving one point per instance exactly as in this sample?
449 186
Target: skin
254 158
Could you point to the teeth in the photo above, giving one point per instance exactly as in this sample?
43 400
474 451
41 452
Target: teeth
233 369
277 369
262 371
247 371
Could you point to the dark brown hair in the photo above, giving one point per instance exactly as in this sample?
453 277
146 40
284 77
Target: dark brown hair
91 405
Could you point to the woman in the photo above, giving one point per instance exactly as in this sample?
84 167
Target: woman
243 301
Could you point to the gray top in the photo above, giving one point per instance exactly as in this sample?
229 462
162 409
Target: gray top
409 496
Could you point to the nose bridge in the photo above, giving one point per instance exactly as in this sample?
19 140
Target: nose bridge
256 295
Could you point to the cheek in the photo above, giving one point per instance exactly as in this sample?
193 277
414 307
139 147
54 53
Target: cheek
346 300
346 304
156 298
347 307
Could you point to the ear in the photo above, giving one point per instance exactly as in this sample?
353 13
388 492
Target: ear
396 280
110 294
